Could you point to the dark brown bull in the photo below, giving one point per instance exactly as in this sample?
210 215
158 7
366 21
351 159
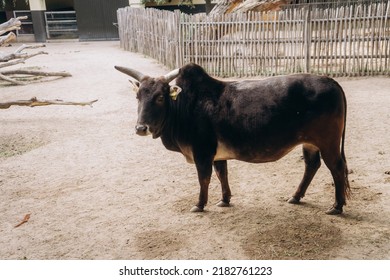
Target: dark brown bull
211 121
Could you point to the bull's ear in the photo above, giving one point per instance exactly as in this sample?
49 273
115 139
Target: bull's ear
135 85
174 92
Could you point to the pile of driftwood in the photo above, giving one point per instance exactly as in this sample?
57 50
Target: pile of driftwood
19 76
24 76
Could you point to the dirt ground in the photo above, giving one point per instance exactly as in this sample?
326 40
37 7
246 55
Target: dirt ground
95 190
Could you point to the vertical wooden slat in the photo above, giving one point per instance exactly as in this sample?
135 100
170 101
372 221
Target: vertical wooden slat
363 41
386 48
316 40
307 40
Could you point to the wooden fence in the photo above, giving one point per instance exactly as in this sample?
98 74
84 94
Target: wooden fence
352 40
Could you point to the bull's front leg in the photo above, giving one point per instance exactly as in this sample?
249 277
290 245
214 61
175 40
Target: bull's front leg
220 168
204 168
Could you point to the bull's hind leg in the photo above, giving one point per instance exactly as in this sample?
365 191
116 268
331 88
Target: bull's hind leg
220 168
312 159
338 168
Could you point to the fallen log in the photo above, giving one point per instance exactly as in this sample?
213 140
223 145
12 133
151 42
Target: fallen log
34 102
7 38
12 24
35 73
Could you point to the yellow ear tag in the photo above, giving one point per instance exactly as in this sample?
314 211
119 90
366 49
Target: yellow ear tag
174 92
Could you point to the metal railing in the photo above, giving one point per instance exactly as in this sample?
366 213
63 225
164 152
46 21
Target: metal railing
61 24
27 25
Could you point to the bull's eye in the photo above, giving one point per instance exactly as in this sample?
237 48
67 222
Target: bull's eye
160 99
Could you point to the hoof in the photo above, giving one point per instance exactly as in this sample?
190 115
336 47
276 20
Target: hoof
293 200
223 204
196 209
334 211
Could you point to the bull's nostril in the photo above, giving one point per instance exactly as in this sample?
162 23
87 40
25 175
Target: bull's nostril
141 129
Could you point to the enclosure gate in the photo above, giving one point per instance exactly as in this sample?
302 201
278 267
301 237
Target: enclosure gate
61 24
96 18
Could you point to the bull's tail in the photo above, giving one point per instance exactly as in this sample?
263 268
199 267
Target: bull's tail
347 188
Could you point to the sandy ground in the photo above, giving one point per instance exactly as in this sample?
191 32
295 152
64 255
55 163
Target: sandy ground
95 190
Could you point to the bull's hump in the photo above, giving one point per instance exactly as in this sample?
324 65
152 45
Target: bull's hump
247 85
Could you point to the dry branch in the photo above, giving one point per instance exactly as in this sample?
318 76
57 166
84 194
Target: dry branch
10 80
25 220
24 46
31 76
3 65
18 53
36 73
33 102
25 56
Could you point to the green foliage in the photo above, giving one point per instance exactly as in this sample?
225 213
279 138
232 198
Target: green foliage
158 2
10 3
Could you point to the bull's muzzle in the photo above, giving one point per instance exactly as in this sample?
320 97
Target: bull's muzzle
142 130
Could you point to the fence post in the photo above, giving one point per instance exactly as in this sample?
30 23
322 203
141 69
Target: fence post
307 39
179 39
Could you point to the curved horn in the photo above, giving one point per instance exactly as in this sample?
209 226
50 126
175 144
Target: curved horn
172 75
131 72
